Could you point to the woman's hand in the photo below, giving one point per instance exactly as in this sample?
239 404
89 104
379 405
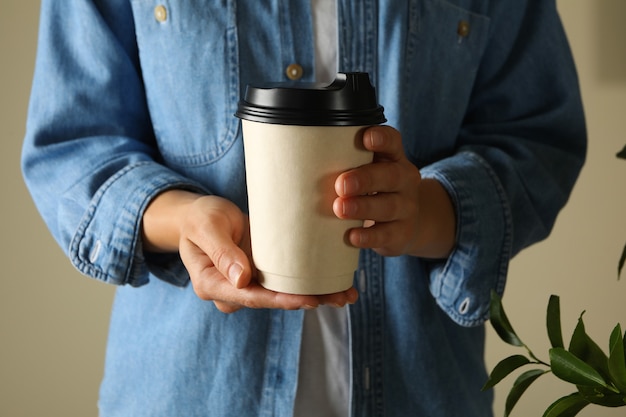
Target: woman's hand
403 213
213 238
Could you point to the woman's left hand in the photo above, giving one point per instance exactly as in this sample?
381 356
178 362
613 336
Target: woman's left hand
403 213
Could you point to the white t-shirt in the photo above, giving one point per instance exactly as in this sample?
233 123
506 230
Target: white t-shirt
324 377
325 35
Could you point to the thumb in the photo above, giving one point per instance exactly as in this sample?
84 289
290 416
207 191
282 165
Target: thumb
217 229
229 259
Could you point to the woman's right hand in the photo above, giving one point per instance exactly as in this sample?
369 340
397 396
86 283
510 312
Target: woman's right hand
212 236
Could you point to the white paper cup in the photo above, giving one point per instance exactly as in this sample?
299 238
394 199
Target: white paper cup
298 244
297 141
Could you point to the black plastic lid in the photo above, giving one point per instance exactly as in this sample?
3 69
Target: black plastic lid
350 100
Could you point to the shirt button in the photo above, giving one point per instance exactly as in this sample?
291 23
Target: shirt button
294 72
95 252
160 13
463 29
465 306
362 281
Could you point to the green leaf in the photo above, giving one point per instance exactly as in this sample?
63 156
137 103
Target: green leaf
567 406
500 322
553 322
519 387
620 265
617 361
504 368
602 396
616 335
622 153
584 348
571 369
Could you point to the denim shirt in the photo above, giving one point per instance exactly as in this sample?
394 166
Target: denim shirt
127 103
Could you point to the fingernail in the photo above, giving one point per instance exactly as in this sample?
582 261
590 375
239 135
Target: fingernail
363 238
349 208
350 186
234 273
376 139
308 307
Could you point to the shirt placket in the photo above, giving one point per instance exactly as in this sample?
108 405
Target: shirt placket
296 40
367 318
357 32
358 27
281 364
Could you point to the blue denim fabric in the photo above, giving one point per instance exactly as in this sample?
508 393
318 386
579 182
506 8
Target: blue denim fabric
125 106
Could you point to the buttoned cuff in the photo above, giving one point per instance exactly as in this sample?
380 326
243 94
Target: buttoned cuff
462 283
107 244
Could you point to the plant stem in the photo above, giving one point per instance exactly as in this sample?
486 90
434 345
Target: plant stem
537 360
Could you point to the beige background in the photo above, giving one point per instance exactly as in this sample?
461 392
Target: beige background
53 322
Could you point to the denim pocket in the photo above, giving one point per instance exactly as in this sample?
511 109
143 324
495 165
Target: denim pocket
444 48
189 60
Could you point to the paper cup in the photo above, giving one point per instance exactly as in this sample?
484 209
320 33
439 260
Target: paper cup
293 158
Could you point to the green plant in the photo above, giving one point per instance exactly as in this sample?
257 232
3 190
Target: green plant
599 379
